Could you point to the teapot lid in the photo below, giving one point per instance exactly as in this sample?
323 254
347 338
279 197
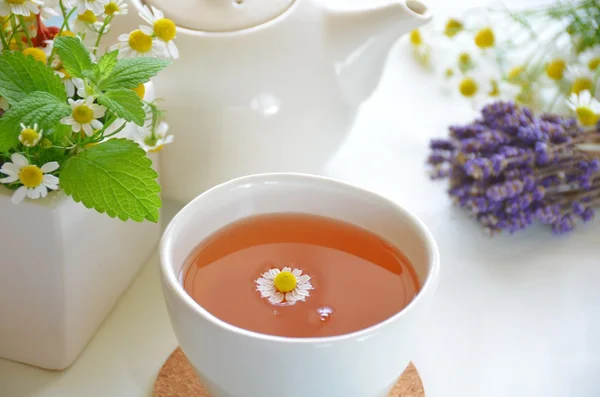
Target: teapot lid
220 15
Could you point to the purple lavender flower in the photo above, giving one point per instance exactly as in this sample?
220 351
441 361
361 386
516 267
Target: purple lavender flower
510 168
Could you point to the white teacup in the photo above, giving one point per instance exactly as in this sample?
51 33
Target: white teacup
233 362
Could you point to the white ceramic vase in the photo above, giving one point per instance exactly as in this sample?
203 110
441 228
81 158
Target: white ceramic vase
62 269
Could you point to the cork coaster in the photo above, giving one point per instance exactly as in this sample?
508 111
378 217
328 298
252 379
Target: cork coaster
177 379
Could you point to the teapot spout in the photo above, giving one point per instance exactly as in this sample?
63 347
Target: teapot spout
362 36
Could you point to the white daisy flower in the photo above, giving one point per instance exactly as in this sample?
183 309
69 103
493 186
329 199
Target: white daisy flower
591 57
72 84
3 103
20 7
138 44
95 6
35 181
285 285
581 78
30 136
162 28
86 22
153 142
85 115
585 107
116 7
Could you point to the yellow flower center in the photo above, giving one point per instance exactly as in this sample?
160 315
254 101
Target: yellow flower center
495 91
453 27
586 116
140 41
64 71
593 63
83 114
581 84
468 87
464 58
415 38
485 38
31 176
515 73
165 29
555 69
36 53
140 90
87 17
285 282
29 136
16 1
67 33
449 72
158 149
111 8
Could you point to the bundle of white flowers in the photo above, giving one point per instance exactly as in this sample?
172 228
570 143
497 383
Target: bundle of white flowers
62 104
545 58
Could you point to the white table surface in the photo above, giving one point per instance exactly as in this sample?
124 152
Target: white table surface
514 316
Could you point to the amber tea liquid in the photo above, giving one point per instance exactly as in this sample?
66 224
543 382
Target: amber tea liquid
357 279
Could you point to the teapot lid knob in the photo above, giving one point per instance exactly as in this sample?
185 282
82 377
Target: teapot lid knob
220 15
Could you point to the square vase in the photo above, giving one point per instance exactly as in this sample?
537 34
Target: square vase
62 269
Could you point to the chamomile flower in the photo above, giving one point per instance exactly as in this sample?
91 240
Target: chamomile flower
87 21
95 6
591 58
555 69
3 103
581 78
73 85
585 107
20 7
284 286
162 28
153 142
485 38
138 44
30 136
35 181
84 116
115 7
420 47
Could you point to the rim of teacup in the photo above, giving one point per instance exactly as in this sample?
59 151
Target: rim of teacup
172 279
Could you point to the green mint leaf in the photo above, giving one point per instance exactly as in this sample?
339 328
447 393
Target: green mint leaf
73 55
131 72
115 177
106 64
40 107
124 103
21 75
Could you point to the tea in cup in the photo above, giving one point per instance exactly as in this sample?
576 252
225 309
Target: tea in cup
290 285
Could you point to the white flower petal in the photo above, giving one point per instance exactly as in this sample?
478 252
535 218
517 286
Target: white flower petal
297 272
289 297
96 124
274 272
277 297
19 195
10 169
147 30
49 167
9 179
303 279
87 129
33 194
267 294
19 159
50 180
287 269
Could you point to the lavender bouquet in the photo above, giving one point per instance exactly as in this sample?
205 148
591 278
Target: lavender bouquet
511 168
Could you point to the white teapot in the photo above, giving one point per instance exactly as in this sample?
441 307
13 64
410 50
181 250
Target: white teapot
268 85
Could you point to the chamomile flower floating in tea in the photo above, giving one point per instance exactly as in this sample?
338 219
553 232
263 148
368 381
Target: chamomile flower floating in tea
35 180
286 285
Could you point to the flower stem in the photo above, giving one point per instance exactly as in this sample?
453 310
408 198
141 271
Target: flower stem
22 19
101 32
66 16
5 45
